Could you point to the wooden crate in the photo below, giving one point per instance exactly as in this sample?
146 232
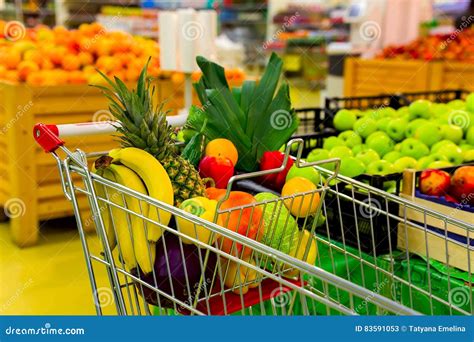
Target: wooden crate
364 77
30 176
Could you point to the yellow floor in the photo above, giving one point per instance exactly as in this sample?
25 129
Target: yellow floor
47 279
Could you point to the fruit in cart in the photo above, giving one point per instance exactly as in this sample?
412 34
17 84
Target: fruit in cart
332 142
351 167
453 154
420 109
429 134
368 156
381 143
380 167
350 138
462 185
396 129
392 156
257 117
310 173
281 230
201 207
434 182
302 199
220 169
145 127
414 148
452 133
178 269
215 193
246 221
305 250
404 163
223 148
344 120
239 277
365 126
273 160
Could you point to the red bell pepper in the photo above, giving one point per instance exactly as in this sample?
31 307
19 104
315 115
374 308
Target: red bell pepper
217 168
273 160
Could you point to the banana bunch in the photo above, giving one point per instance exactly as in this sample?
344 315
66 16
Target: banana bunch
137 170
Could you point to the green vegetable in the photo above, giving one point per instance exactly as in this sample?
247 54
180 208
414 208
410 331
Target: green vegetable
281 230
195 147
256 117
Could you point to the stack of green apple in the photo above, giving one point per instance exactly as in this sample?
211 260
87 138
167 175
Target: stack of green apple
384 140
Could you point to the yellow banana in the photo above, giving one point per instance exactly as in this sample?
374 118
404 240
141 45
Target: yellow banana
156 181
104 211
144 252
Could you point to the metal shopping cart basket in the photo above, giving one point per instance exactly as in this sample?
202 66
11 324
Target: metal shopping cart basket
205 279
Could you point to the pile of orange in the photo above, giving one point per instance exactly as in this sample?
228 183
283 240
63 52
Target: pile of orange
45 56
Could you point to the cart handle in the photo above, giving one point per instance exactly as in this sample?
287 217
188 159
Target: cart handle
49 136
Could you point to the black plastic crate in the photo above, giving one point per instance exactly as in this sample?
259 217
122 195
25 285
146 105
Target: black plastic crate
311 120
440 96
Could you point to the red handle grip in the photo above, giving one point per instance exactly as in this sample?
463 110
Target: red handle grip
47 136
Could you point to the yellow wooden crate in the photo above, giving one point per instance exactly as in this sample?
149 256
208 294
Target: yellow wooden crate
364 77
28 175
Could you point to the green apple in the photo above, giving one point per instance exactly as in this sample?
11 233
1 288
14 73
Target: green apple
365 126
440 144
429 134
368 156
396 129
425 161
414 148
439 109
403 111
380 167
452 132
413 126
340 152
420 109
350 138
453 153
439 164
317 154
405 163
310 173
351 167
457 104
359 148
382 123
397 147
392 156
375 135
470 102
382 143
344 120
468 156
470 136
331 142
387 111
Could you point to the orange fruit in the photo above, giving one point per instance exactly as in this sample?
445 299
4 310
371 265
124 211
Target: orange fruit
76 77
303 200
11 75
223 148
103 47
131 75
34 56
35 78
85 58
71 62
10 58
46 64
107 64
56 54
25 68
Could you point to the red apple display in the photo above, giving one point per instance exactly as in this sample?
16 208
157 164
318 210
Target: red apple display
462 185
434 182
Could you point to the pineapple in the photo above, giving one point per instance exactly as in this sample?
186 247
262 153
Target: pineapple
145 127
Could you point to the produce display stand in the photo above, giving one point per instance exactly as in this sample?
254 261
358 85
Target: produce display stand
136 294
363 77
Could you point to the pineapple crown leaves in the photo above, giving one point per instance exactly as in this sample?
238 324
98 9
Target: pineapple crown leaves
142 125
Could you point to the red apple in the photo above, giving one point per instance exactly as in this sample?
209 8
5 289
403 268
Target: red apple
218 168
462 185
434 182
272 160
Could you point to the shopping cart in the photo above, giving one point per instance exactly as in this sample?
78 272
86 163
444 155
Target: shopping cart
206 279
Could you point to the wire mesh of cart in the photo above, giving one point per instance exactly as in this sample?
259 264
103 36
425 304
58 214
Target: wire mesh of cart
363 263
